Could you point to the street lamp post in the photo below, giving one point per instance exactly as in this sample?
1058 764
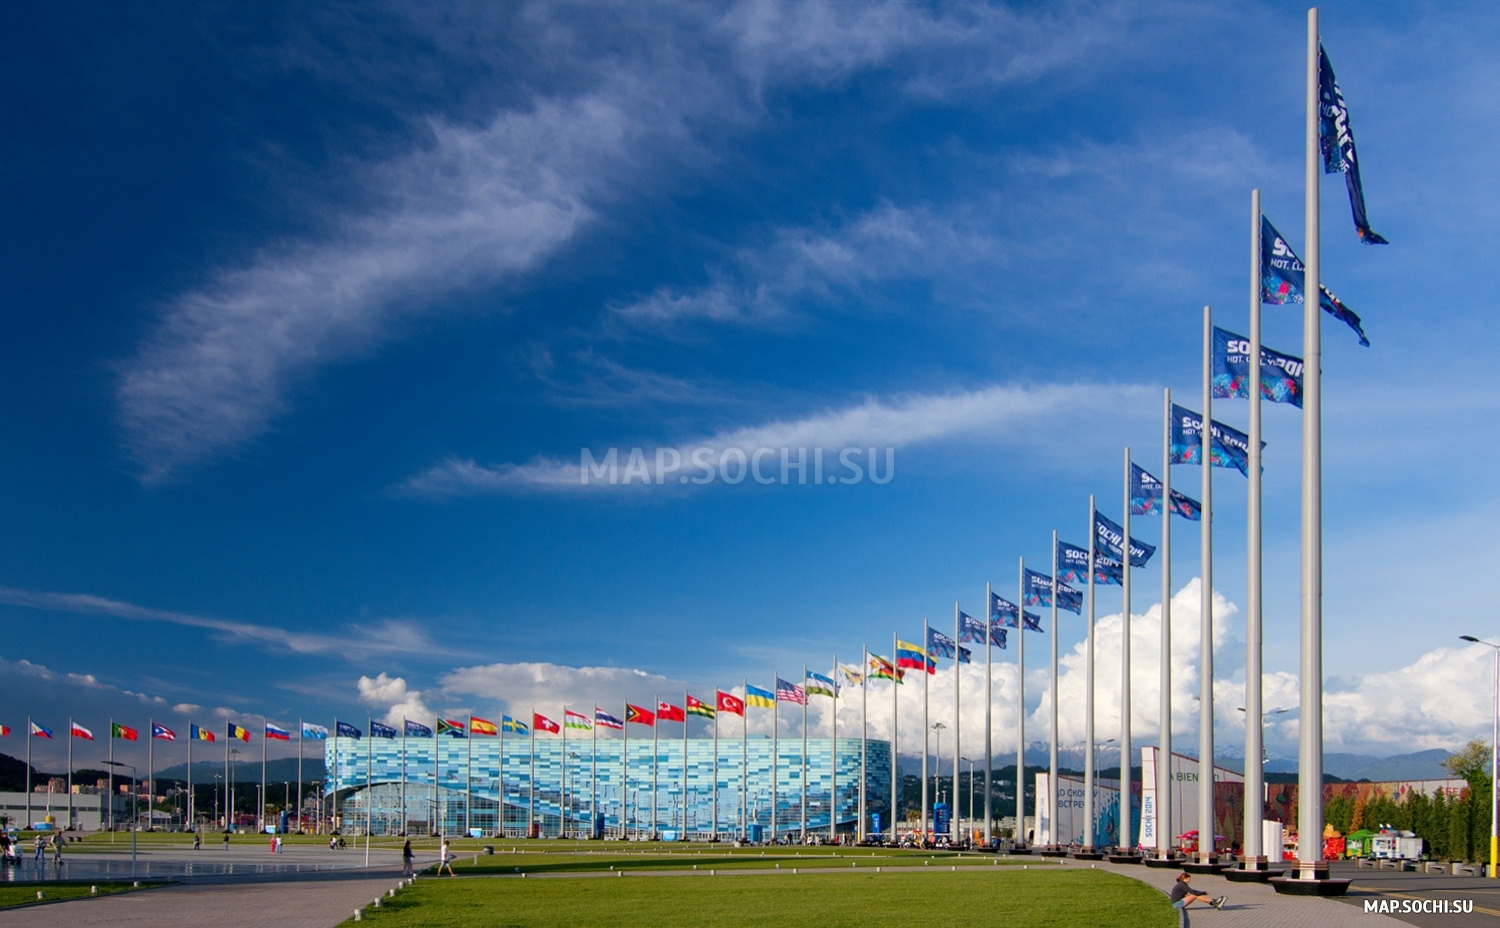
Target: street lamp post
1494 758
937 776
216 798
133 806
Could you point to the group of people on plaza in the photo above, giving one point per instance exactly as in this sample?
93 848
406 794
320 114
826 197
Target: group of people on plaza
11 853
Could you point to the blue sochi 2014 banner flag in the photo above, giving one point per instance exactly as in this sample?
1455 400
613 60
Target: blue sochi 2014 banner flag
345 730
1280 374
1109 536
971 629
1072 563
939 644
1039 593
1282 280
1228 448
1336 140
1145 497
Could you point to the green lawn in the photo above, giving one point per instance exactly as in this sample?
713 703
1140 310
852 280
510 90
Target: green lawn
23 893
1037 898
666 858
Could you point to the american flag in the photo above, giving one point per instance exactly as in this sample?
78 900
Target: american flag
790 692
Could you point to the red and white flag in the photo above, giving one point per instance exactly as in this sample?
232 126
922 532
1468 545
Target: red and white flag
728 702
78 731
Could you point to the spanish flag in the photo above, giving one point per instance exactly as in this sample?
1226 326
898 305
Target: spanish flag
478 726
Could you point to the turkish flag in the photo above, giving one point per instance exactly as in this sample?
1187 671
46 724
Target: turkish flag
728 702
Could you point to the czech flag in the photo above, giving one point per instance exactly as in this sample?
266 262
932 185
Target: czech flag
728 702
542 723
38 731
667 712
479 726
275 734
78 731
163 732
116 730
638 715
236 731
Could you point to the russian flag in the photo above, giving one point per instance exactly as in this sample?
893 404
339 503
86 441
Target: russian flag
277 734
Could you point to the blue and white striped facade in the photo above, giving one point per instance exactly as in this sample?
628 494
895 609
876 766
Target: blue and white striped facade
593 784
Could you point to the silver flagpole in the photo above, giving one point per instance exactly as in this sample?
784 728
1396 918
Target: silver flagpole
684 767
29 735
469 775
744 761
1206 613
713 834
150 767
70 773
833 755
297 812
531 780
500 778
192 805
264 726
1164 722
1020 839
1254 856
624 771
895 741
369 740
1088 697
403 775
1052 761
989 697
804 754
926 730
562 794
775 748
655 754
1125 835
433 818
953 821
864 732
111 765
1310 863
593 772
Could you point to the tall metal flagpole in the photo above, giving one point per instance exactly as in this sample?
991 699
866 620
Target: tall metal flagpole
989 698
150 768
953 828
833 757
655 755
744 761
775 749
625 772
1206 611
297 811
1125 836
804 753
1021 839
713 834
1254 758
593 769
29 735
926 729
70 772
1052 778
500 779
895 741
403 777
369 740
684 766
192 804
1310 863
864 732
469 775
1088 696
1164 723
530 780
265 724
111 765
562 795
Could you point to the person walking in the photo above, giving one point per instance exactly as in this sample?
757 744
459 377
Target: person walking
41 849
1183 894
57 849
406 859
445 859
226 840
197 841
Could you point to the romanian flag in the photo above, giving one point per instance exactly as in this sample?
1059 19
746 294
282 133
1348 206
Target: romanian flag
573 719
479 726
666 712
605 720
451 727
728 702
236 731
542 723
759 698
116 730
882 669
38 731
165 733
912 656
696 706
199 734
277 734
78 731
638 715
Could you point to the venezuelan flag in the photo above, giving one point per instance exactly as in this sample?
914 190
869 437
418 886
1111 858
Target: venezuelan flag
913 656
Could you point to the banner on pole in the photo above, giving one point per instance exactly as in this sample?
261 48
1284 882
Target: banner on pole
1228 447
1280 374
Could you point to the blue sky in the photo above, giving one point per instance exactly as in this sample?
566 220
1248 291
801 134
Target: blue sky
310 311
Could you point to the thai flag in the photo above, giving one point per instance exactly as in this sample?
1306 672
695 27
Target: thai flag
605 720
277 734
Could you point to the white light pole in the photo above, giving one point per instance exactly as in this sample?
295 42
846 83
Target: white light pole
1494 758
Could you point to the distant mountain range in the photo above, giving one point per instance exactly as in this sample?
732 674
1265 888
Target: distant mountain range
282 770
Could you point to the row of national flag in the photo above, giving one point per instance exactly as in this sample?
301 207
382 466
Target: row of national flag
163 733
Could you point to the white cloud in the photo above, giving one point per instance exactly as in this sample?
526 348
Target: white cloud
518 688
359 641
997 414
398 700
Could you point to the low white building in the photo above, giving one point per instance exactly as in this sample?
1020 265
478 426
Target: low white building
90 811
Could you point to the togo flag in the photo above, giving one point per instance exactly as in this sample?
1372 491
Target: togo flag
1280 374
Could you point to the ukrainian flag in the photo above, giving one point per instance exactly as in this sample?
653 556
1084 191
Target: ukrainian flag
761 699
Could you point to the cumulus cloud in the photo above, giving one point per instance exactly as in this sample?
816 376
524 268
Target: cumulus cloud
517 688
993 414
399 701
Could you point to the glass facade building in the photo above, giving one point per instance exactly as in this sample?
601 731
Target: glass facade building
593 787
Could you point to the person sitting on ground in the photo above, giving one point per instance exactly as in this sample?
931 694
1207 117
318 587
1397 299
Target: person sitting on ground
1183 895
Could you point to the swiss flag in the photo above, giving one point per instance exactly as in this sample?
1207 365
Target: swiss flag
670 713
728 702
542 723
